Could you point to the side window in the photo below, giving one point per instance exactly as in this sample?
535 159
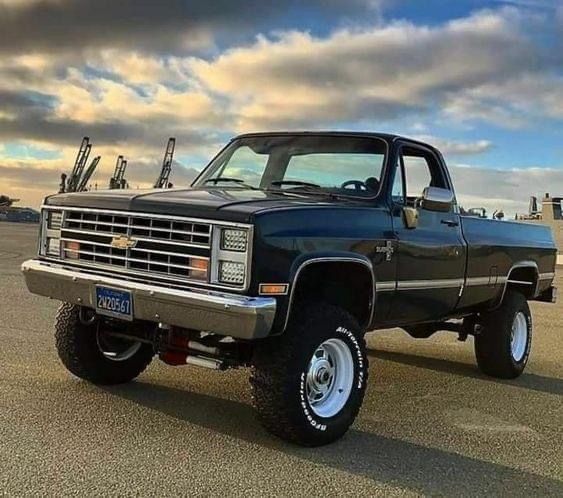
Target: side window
417 172
421 170
398 193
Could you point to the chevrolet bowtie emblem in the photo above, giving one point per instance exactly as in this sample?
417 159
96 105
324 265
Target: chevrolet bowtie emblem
123 242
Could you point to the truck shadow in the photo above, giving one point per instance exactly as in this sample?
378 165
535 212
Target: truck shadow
368 455
526 381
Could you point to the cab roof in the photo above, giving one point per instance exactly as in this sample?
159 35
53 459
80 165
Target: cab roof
388 137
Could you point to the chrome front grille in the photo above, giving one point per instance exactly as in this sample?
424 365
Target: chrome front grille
178 248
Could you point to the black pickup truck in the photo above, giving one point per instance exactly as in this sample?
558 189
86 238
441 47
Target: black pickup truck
281 255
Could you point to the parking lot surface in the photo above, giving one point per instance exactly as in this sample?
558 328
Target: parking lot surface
430 423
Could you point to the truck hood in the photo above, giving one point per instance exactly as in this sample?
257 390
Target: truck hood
223 204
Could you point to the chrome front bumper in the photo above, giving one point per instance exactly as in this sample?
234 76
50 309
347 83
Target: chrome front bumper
225 314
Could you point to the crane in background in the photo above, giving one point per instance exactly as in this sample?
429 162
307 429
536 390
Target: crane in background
163 178
70 183
83 184
118 181
78 179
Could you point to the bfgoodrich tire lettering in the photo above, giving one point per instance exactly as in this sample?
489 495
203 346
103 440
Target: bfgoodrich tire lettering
280 376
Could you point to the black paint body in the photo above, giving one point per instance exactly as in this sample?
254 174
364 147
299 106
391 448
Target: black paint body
290 232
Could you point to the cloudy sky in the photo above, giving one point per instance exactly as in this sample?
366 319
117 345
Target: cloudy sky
482 80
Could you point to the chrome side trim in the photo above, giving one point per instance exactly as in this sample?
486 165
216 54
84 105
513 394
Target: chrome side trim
225 314
329 259
430 284
476 281
437 284
385 286
520 264
449 283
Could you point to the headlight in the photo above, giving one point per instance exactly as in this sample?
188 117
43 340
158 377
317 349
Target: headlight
230 256
54 220
231 272
234 239
53 246
50 242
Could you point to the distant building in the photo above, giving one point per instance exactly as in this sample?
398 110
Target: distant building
22 215
551 214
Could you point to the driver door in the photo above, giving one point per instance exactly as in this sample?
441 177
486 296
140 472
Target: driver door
431 257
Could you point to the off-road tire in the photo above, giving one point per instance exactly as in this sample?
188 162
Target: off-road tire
78 349
279 376
493 342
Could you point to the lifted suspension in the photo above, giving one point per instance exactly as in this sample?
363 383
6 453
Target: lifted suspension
177 346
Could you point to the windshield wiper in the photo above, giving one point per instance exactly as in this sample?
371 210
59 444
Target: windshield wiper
302 187
296 183
238 181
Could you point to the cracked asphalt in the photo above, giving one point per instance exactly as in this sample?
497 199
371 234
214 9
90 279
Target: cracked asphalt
431 424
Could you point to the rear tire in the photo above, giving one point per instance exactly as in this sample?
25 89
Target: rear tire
84 351
503 345
309 383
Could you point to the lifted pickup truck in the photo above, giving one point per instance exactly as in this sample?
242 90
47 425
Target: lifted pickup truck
282 254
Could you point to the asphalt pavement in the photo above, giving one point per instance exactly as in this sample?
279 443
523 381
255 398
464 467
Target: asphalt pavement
431 424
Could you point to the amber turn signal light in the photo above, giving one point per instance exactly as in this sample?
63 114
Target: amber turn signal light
72 250
273 289
199 268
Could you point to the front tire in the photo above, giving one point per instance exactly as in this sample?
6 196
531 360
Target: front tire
89 353
309 384
503 345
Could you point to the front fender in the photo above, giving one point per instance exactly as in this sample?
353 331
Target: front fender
305 261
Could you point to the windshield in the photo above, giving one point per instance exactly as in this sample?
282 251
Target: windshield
323 163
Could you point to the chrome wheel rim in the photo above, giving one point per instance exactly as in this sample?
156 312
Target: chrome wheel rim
330 376
116 349
519 336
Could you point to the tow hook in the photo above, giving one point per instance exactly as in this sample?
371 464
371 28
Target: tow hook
86 316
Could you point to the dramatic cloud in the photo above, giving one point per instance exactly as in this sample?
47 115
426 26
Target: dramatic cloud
511 103
57 26
382 72
456 148
131 73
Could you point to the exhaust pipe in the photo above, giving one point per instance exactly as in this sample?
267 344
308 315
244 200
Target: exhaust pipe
200 361
203 348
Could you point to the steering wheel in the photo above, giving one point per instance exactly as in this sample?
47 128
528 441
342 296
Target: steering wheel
358 184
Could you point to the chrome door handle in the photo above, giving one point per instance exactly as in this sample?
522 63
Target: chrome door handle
450 223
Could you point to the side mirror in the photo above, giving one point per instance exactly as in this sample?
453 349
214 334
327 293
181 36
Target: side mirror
437 199
410 216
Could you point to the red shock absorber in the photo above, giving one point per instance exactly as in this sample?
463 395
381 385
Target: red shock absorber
176 352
